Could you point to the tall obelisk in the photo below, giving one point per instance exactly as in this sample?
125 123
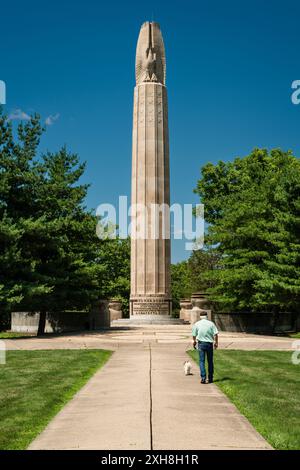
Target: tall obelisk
150 297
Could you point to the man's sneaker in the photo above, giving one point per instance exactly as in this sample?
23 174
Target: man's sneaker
210 381
203 381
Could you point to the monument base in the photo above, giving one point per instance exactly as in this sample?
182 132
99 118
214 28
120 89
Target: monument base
143 320
151 305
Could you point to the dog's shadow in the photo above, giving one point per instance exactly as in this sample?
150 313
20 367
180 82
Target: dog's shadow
224 379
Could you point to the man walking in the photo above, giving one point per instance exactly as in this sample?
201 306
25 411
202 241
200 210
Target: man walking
206 334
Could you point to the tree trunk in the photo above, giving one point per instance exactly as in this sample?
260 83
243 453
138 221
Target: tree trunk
42 323
275 321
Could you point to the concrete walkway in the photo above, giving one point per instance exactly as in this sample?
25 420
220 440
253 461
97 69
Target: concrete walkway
141 400
156 334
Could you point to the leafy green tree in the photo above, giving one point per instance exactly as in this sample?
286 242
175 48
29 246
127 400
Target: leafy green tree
113 260
190 276
253 208
200 263
180 283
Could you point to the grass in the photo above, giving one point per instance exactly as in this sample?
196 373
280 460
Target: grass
295 335
35 385
265 387
12 335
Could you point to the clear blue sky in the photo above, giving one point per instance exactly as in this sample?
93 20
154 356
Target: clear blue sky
230 65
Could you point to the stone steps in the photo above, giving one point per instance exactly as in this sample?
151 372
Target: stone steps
147 321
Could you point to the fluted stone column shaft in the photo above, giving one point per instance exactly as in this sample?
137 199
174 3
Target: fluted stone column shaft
150 254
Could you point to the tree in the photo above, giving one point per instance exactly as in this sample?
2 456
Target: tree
60 239
180 283
200 263
113 260
18 181
51 259
190 276
253 208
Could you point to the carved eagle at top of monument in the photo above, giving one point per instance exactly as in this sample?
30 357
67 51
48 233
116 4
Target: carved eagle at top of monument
150 63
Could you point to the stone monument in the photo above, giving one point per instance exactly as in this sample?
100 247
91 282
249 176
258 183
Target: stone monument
150 298
115 309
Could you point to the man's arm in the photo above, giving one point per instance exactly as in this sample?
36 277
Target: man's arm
216 341
194 334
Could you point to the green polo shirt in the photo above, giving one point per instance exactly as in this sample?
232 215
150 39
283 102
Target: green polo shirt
204 330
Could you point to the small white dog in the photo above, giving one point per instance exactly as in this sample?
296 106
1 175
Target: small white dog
187 368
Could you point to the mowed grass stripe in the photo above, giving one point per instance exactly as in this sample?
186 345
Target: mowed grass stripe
35 385
265 387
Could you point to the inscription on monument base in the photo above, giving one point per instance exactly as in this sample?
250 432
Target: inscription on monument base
150 306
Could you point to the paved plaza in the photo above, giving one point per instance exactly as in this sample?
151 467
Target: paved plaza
116 338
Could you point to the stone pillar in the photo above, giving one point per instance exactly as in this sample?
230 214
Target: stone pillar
185 310
200 300
115 309
99 316
150 219
195 314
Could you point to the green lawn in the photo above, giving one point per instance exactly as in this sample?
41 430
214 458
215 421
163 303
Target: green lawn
295 335
34 385
11 335
265 387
